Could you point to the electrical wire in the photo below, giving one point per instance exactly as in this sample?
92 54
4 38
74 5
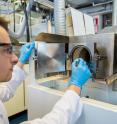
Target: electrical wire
23 2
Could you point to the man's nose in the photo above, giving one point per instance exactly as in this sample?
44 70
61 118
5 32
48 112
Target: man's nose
14 59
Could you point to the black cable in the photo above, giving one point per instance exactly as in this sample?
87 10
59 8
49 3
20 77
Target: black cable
26 17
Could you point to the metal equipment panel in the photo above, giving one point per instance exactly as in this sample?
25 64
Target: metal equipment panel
50 53
106 47
50 57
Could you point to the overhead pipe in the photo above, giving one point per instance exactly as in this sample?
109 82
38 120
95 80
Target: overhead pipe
46 3
22 29
104 3
59 16
100 13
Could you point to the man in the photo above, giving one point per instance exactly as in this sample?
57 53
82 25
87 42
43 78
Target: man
7 60
66 111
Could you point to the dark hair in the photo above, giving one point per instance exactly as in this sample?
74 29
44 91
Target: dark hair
4 23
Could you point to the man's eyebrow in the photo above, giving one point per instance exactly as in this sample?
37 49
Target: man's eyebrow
5 44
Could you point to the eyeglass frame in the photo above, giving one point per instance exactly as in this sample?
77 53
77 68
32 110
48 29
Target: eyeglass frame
9 50
5 44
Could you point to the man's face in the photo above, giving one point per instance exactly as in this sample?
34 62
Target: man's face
7 58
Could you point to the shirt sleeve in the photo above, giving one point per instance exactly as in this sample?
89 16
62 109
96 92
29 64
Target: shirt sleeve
8 89
66 111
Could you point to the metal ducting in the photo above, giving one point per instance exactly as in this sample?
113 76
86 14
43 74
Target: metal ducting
99 1
59 16
78 3
46 3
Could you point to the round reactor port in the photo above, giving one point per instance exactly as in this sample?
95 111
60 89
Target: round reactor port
81 51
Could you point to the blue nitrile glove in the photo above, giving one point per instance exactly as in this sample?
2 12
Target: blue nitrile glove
80 73
25 52
92 66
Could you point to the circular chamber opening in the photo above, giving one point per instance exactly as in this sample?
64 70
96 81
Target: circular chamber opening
81 51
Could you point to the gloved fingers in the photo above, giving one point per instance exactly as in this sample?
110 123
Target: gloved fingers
82 64
27 45
81 59
75 63
92 66
88 72
24 47
32 46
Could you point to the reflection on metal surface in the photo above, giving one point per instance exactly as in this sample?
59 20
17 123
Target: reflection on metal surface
50 53
51 57
52 38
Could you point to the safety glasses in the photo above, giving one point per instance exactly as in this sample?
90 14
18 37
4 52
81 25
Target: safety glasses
7 48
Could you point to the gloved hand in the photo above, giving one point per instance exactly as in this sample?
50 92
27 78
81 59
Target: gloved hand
25 52
80 73
92 65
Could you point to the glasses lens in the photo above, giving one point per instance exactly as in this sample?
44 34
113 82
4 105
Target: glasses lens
9 50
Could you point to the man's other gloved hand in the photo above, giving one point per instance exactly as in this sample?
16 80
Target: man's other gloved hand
80 73
26 51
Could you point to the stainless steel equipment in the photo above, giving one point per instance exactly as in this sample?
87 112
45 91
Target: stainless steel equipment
102 52
99 51
50 53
